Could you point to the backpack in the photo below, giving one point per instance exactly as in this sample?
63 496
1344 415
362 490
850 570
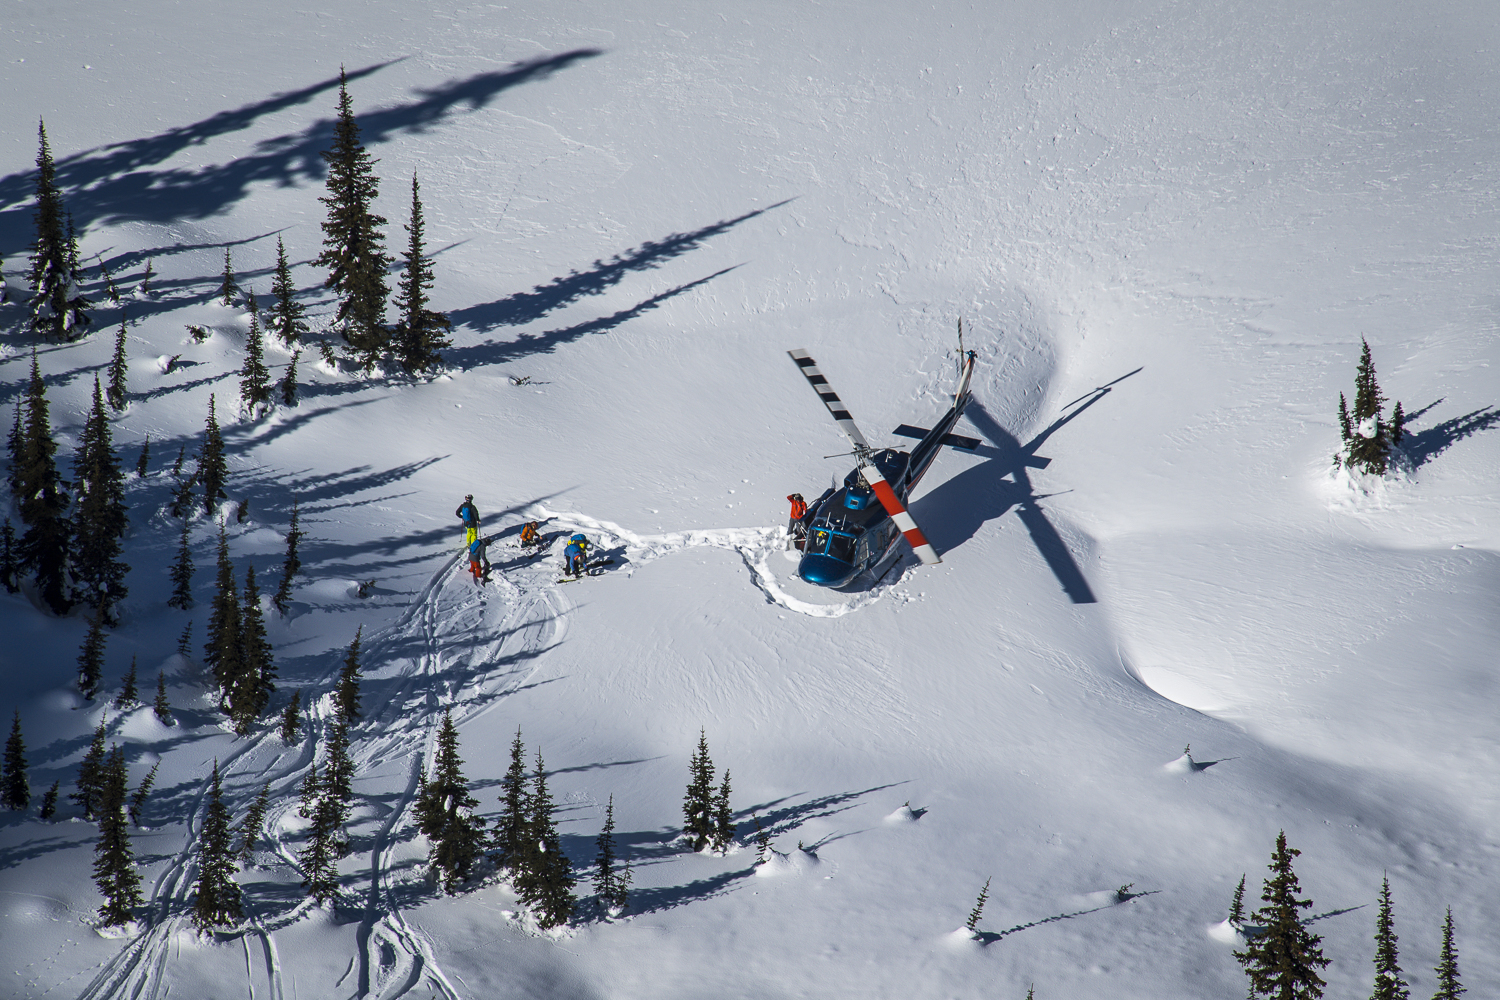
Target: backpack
529 533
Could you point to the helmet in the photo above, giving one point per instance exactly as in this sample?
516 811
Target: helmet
469 497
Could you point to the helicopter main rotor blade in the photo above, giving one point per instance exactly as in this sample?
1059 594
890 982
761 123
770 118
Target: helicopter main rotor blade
899 515
830 398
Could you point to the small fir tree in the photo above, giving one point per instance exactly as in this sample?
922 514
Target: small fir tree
13 450
15 786
253 685
111 289
144 459
287 320
218 899
142 793
421 333
1237 904
1449 986
115 871
291 720
1368 438
1398 424
250 827
1282 961
128 695
91 657
762 842
9 571
320 875
445 814
698 803
228 287
974 914
1388 984
185 640
611 883
288 383
346 697
50 275
119 387
311 791
547 884
510 828
182 573
90 780
338 775
255 379
182 492
724 826
177 467
146 278
76 320
221 648
213 471
290 567
49 801
99 518
42 500
162 707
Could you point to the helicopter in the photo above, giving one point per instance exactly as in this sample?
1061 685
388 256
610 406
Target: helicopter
854 528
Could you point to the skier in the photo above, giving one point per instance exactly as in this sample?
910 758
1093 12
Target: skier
796 527
576 555
531 535
479 562
470 516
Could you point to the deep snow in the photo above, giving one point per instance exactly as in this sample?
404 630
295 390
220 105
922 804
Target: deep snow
1200 208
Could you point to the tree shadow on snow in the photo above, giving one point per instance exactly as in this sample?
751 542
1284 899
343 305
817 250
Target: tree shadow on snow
990 937
1423 446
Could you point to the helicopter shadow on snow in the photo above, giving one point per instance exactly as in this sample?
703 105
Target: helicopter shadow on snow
956 510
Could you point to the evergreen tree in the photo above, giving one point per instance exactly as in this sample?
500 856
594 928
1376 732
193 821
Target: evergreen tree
1237 904
1346 426
146 276
128 694
978 911
724 827
611 885
218 900
110 288
421 334
698 804
1398 424
762 842
142 793
1369 442
4 291
291 720
1388 984
338 776
287 320
185 640
212 472
346 697
221 649
9 571
353 244
1449 987
319 871
15 787
14 451
255 379
182 490
288 383
228 287
91 657
182 574
253 685
311 791
42 501
49 801
250 828
177 467
290 567
445 813
141 463
50 278
546 883
161 706
1282 961
119 386
510 828
114 863
90 780
76 320
99 520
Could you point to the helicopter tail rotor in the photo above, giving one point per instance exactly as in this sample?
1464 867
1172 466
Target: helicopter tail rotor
830 399
899 514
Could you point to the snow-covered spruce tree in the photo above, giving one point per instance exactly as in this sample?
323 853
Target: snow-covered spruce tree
99 519
91 657
90 780
50 277
182 573
346 695
1388 984
353 244
119 385
698 803
724 826
115 872
509 838
1369 439
142 793
762 842
161 707
228 286
978 911
547 886
1283 959
318 859
42 501
290 566
77 320
128 695
221 647
338 777
49 801
249 829
288 384
421 333
217 903
291 720
1449 985
287 317
10 571
611 883
255 379
251 690
15 786
213 471
1237 904
145 459
445 814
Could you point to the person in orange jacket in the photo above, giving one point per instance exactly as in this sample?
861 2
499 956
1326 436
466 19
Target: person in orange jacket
796 527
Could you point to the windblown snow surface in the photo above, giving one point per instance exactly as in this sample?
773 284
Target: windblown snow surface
1166 227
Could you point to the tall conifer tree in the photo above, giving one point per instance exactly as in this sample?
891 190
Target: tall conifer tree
254 683
346 697
15 786
1283 960
698 803
1388 984
515 810
50 275
288 383
99 520
119 384
1449 985
91 657
228 287
547 885
290 566
250 828
213 471
10 570
445 813
611 882
287 320
90 780
255 379
353 244
182 573
142 792
128 695
222 650
320 875
42 500
218 899
161 707
291 720
421 333
115 871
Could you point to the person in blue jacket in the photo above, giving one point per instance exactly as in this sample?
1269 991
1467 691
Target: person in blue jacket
576 555
479 562
470 516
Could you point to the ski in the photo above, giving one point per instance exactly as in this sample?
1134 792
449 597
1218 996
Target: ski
588 570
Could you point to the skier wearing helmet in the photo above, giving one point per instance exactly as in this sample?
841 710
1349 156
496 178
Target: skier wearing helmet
470 516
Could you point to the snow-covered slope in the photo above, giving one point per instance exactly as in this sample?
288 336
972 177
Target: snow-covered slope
1166 227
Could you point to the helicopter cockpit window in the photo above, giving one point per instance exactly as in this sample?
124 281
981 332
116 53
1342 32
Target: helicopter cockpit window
819 541
841 547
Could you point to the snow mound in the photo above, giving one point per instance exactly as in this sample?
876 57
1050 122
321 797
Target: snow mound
117 932
1225 932
903 814
1182 765
798 862
962 940
141 724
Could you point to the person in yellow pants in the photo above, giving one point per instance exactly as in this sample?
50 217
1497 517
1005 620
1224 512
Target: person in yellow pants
470 515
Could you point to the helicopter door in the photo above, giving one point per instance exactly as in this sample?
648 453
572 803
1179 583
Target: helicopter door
862 552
